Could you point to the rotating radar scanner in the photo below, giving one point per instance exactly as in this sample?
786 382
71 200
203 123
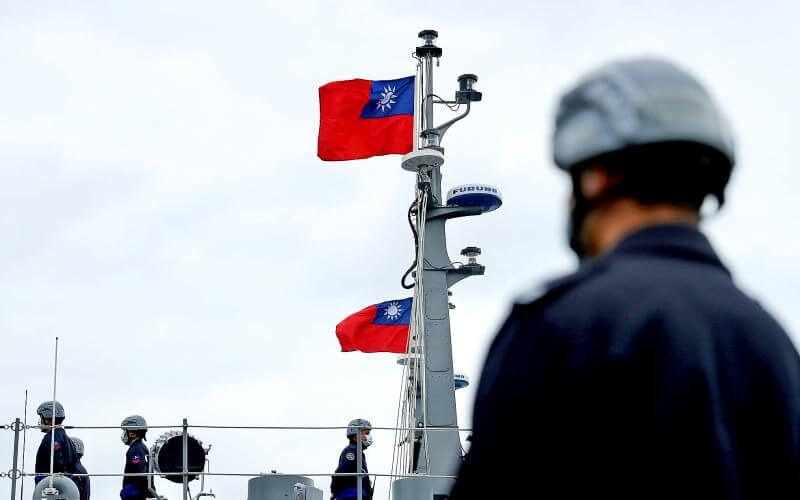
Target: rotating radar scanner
486 197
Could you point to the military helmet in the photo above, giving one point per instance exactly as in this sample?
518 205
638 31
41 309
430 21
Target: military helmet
634 103
134 422
357 425
78 444
45 410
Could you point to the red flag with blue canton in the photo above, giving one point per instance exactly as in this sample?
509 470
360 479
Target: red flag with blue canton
378 328
363 118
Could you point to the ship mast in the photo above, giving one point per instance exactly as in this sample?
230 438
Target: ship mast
435 453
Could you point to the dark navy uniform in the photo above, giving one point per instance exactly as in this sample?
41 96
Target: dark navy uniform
82 482
646 374
346 487
136 461
64 456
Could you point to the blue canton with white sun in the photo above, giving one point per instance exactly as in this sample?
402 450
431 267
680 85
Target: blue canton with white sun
387 98
393 312
390 98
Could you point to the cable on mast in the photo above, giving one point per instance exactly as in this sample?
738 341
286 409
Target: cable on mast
53 417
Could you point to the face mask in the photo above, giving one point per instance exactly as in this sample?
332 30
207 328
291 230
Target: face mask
580 209
368 442
124 437
577 215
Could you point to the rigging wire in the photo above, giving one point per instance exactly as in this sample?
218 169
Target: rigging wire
412 381
422 212
418 332
411 210
53 418
24 443
453 107
417 111
397 457
454 264
396 432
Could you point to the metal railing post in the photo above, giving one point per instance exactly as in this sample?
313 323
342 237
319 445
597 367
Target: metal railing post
185 458
14 471
359 485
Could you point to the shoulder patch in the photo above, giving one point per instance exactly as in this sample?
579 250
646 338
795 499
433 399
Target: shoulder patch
350 456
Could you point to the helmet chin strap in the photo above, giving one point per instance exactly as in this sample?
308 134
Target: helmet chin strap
577 215
581 208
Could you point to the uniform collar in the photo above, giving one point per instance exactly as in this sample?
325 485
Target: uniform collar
679 241
676 241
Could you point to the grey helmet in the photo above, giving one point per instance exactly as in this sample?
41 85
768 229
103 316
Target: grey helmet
633 103
357 425
78 444
45 410
132 423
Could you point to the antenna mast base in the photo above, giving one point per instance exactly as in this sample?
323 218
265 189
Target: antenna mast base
423 159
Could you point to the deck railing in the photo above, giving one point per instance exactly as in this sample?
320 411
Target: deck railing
17 427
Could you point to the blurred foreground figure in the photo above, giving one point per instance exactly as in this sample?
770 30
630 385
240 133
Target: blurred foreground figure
647 373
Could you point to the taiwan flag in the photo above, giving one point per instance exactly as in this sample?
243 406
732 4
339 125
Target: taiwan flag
363 118
378 328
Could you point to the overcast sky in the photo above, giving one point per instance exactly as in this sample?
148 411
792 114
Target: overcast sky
165 214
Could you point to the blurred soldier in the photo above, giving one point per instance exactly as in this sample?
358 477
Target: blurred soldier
137 458
82 482
647 373
346 487
63 451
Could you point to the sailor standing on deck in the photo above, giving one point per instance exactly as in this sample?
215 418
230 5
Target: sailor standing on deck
137 458
82 482
63 451
345 487
647 373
